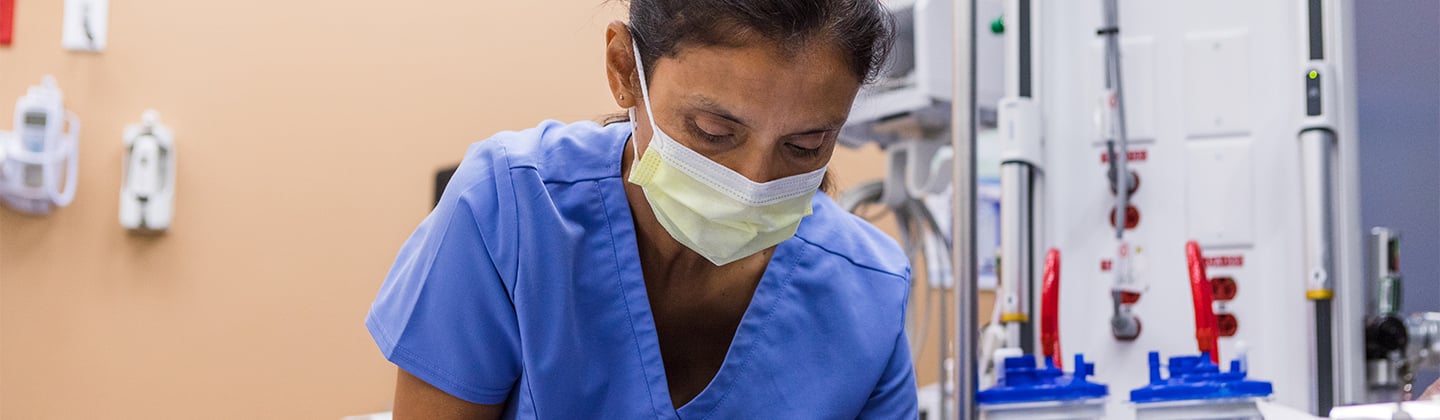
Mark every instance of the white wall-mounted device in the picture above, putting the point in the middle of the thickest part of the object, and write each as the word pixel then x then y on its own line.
pixel 33 159
pixel 86 23
pixel 147 190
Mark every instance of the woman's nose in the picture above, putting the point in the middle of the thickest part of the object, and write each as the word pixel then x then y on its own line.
pixel 756 164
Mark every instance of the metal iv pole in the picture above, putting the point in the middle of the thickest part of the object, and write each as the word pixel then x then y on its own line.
pixel 963 251
pixel 1020 167
pixel 1318 146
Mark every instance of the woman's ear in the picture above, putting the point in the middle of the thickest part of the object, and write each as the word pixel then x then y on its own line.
pixel 620 65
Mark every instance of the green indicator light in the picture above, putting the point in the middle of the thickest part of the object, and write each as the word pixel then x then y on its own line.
pixel 1314 74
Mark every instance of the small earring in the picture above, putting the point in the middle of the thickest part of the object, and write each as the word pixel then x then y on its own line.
pixel 622 96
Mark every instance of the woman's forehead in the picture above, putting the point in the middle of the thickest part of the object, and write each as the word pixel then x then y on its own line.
pixel 757 82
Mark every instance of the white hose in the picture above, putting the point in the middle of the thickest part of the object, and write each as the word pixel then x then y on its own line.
pixel 69 150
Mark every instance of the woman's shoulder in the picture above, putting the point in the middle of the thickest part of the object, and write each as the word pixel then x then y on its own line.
pixel 554 151
pixel 503 180
pixel 512 164
pixel 509 164
pixel 854 243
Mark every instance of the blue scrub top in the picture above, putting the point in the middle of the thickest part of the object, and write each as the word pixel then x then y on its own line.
pixel 523 287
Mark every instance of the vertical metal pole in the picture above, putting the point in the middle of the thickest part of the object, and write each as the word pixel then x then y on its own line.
pixel 1020 154
pixel 1349 284
pixel 1317 152
pixel 963 141
pixel 1015 252
pixel 1335 380
pixel 1113 83
pixel 1124 324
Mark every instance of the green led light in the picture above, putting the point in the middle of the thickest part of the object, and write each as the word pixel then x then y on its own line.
pixel 1314 74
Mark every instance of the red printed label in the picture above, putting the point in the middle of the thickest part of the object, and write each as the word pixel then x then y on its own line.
pixel 1106 265
pixel 1225 261
pixel 1134 156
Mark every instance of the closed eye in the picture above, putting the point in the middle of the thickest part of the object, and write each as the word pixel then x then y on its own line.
pixel 803 152
pixel 808 145
pixel 706 135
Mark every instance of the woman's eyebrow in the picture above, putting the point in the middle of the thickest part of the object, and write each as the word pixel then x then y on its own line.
pixel 826 128
pixel 709 105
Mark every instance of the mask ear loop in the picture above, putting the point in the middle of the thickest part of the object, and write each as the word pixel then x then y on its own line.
pixel 644 84
pixel 649 111
pixel 634 142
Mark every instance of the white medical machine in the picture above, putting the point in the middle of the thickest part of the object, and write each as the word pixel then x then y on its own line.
pixel 1129 129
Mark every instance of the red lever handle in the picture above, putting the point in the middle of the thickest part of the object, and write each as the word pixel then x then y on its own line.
pixel 1206 325
pixel 1050 309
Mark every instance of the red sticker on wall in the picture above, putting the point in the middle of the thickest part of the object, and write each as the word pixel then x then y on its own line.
pixel 7 22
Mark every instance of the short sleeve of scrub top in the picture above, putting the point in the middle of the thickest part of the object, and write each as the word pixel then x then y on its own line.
pixel 523 287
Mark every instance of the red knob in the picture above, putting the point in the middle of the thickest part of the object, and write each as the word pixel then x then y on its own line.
pixel 1132 217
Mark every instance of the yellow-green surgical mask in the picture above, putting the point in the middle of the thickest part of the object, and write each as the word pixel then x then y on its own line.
pixel 708 207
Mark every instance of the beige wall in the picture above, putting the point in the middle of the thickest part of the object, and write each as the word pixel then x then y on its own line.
pixel 307 136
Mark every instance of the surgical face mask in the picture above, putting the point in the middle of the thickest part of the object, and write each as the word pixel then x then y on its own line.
pixel 34 157
pixel 709 208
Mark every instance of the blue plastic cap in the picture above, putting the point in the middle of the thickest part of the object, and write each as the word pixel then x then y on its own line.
pixel 1025 382
pixel 1196 378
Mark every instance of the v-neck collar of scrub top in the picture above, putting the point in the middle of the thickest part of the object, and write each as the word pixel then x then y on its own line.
pixel 749 335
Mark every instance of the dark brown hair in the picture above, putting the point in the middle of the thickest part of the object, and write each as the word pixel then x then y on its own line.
pixel 861 29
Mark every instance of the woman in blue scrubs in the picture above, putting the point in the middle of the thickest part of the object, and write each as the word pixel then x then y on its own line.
pixel 681 263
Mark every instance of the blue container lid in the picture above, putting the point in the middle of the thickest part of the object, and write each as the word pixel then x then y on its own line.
pixel 1196 378
pixel 1024 382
